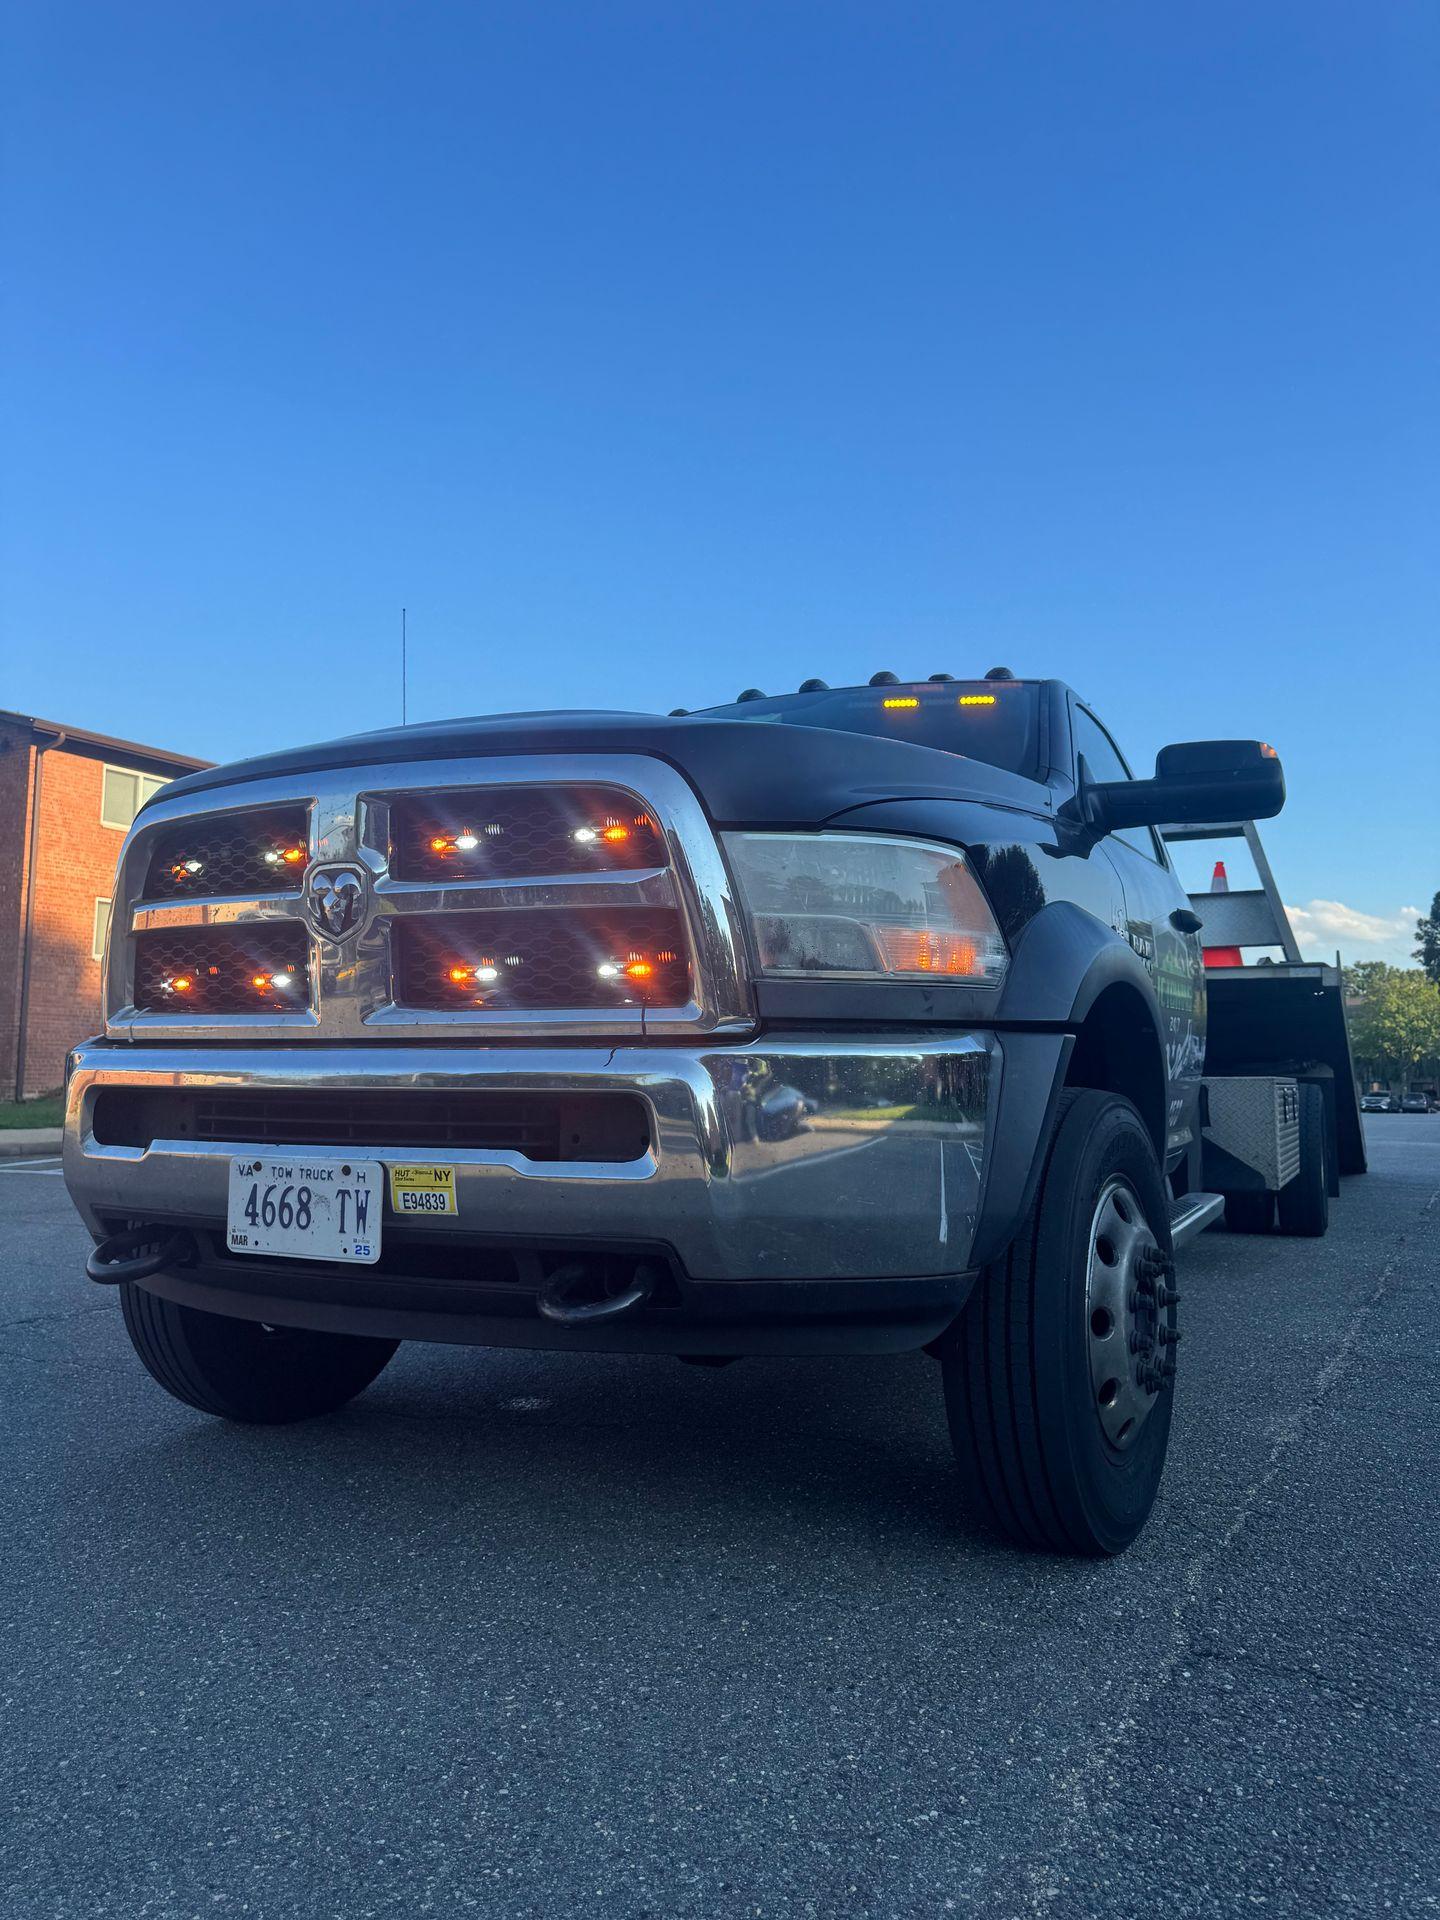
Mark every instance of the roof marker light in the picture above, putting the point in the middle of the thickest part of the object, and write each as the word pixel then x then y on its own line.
pixel 977 700
pixel 908 701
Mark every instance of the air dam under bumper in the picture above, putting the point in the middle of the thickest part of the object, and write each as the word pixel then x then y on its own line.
pixel 794 1183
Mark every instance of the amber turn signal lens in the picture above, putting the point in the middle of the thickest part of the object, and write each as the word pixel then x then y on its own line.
pixel 909 950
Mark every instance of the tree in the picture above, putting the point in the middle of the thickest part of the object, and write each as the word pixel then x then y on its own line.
pixel 1397 1024
pixel 1427 932
pixel 1363 979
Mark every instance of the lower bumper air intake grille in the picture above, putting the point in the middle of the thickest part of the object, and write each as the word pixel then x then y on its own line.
pixel 598 1127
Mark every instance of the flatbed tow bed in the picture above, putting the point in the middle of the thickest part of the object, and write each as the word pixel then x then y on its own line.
pixel 1275 1018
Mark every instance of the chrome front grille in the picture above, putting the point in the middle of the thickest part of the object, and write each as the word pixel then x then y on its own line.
pixel 613 956
pixel 223 970
pixel 474 898
pixel 520 833
pixel 255 852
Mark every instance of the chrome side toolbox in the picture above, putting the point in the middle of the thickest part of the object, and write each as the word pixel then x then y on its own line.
pixel 1251 1132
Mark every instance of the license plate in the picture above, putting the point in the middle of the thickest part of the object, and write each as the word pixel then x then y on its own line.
pixel 423 1190
pixel 303 1209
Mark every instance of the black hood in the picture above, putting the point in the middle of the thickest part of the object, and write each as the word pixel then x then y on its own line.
pixel 748 773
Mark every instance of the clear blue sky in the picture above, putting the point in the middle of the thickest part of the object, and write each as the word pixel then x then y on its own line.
pixel 648 352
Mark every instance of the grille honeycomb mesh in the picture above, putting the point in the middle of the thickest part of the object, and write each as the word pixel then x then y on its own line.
pixel 521 832
pixel 216 970
pixel 263 852
pixel 590 959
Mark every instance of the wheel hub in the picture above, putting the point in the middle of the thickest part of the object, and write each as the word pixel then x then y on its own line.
pixel 1130 1314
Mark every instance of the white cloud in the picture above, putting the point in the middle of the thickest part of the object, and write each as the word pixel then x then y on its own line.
pixel 1333 920
pixel 1323 925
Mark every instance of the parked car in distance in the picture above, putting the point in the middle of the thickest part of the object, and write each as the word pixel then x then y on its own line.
pixel 1415 1103
pixel 1376 1103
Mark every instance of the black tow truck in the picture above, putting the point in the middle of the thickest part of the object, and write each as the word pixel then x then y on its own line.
pixel 846 1021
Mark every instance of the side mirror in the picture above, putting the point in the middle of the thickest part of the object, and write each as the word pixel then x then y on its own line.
pixel 1200 781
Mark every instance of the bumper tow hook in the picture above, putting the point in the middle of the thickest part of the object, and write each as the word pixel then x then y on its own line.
pixel 138 1253
pixel 576 1296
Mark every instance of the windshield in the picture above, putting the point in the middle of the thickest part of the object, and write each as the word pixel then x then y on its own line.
pixel 994 720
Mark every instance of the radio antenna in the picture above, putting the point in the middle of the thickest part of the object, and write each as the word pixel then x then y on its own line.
pixel 404 672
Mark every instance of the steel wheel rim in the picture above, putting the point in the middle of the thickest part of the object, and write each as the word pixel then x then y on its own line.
pixel 1129 1314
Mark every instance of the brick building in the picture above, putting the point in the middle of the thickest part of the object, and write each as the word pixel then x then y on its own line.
pixel 66 798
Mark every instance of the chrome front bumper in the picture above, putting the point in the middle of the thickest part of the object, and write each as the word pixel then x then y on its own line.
pixel 877 1176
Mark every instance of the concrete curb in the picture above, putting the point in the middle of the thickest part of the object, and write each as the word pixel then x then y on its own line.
pixel 32 1142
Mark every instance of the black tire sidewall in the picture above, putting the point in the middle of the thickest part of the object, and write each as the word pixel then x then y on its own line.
pixel 1101 1136
pixel 238 1370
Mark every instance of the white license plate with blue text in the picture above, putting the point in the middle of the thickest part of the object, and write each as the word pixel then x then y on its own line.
pixel 306 1209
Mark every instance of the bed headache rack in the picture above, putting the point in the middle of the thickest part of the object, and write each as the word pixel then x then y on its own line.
pixel 1252 917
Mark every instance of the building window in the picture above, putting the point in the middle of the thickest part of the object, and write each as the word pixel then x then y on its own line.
pixel 102 927
pixel 123 794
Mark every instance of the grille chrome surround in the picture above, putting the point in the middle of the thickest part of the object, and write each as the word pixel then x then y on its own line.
pixel 352 979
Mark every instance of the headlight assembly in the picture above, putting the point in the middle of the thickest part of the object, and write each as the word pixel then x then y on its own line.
pixel 856 906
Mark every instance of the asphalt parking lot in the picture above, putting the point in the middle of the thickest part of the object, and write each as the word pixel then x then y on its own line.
pixel 519 1635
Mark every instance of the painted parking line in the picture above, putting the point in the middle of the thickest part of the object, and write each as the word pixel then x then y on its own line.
pixel 51 1165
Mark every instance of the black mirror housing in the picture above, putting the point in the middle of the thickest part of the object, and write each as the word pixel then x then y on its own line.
pixel 1195 782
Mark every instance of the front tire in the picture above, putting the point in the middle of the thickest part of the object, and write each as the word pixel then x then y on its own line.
pixel 1057 1379
pixel 241 1370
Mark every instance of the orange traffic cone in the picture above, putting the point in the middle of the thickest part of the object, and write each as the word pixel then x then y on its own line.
pixel 1221 956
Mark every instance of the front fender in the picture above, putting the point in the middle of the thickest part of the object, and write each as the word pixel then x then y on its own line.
pixel 1061 964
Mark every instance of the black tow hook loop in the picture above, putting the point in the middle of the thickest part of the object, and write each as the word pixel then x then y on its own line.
pixel 569 1295
pixel 138 1253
